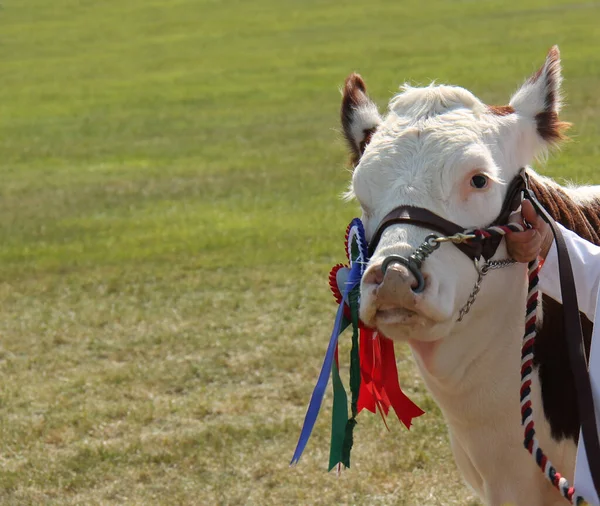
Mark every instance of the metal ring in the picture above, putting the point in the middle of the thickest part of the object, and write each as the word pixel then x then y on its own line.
pixel 414 270
pixel 433 241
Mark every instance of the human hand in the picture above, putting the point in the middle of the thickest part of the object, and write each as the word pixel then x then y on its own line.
pixel 536 241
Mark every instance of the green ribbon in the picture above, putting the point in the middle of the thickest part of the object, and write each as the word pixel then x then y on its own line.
pixel 339 415
pixel 339 418
pixel 354 356
pixel 342 427
pixel 354 378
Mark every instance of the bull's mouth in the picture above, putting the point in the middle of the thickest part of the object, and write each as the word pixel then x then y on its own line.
pixel 417 319
pixel 396 316
pixel 404 324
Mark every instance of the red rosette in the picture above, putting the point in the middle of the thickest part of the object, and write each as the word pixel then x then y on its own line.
pixel 333 282
pixel 335 290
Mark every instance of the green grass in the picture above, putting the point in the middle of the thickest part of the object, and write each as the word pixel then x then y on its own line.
pixel 169 213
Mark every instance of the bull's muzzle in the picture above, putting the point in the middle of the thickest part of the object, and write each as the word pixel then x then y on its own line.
pixel 412 267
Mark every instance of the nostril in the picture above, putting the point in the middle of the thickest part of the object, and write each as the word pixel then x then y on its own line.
pixel 418 285
pixel 374 276
pixel 414 285
pixel 407 268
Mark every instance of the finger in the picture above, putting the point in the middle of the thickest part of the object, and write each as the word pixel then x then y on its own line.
pixel 531 216
pixel 515 218
pixel 522 237
pixel 531 253
pixel 524 256
pixel 528 212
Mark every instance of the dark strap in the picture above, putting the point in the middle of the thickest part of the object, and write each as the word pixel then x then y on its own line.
pixel 424 218
pixel 512 202
pixel 575 345
pixel 512 199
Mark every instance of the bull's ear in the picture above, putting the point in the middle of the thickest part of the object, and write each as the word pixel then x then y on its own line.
pixel 360 117
pixel 538 101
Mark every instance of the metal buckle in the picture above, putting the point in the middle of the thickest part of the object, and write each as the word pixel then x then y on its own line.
pixel 458 238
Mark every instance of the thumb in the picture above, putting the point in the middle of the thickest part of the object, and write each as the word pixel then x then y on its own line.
pixel 530 215
pixel 515 218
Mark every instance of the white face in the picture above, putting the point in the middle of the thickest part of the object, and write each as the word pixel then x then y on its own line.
pixel 442 149
pixel 450 164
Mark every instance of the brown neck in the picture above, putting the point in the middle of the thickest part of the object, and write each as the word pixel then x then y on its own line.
pixel 584 220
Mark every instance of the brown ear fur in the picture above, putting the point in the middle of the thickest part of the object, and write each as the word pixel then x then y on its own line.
pixel 359 116
pixel 549 127
pixel 539 98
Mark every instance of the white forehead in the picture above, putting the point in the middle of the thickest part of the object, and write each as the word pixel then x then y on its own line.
pixel 423 103
pixel 427 134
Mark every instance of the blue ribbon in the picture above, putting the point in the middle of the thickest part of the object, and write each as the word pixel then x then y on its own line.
pixel 357 267
pixel 319 391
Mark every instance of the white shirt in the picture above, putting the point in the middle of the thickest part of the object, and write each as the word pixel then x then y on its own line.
pixel 585 261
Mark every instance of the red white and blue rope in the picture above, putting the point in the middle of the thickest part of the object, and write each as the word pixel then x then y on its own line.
pixel 527 353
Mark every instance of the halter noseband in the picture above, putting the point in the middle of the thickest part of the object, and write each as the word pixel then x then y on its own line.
pixel 425 218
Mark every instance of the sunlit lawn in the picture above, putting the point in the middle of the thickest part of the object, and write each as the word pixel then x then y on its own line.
pixel 169 213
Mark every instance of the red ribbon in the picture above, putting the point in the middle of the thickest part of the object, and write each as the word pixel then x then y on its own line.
pixel 379 386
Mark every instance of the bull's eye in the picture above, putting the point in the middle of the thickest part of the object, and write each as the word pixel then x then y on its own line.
pixel 479 181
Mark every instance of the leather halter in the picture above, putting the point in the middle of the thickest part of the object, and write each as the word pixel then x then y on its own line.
pixel 420 216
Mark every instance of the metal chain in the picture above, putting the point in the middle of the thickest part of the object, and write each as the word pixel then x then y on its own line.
pixel 491 265
pixel 467 307
pixel 497 264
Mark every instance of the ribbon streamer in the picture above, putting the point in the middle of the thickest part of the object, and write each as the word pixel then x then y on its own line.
pixel 319 391
pixel 373 373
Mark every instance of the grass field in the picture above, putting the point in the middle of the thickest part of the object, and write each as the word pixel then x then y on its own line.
pixel 169 213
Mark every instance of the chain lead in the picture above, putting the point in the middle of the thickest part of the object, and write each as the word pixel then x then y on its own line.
pixel 467 307
pixel 487 267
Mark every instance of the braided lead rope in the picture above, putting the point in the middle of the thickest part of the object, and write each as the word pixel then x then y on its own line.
pixel 497 231
pixel 531 442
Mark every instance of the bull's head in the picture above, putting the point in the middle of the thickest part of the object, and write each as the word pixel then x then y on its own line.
pixel 442 149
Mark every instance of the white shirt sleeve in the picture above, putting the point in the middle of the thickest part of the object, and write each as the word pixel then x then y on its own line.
pixel 583 477
pixel 585 260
